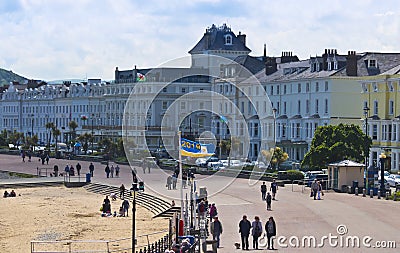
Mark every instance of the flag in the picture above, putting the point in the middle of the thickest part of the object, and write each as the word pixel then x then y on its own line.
pixel 196 149
pixel 223 119
pixel 140 77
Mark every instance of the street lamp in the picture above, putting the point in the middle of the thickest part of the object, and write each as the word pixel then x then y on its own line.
pixel 92 133
pixel 366 152
pixel 382 159
pixel 135 189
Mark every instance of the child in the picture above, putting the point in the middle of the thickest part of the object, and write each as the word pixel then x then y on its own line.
pixel 269 201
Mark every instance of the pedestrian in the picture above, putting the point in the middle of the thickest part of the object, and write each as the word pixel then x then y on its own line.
pixel 66 170
pixel 55 170
pixel 201 209
pixel 270 229
pixel 117 171
pixel 107 170
pixel 257 231
pixel 216 230
pixel 112 169
pixel 244 230
pixel 122 191
pixel 263 190
pixel 172 203
pixel 71 170
pixel 169 182
pixel 23 156
pixel 274 188
pixel 174 180
pixel 144 166
pixel 314 189
pixel 47 159
pixel 91 169
pixel 319 192
pixel 269 201
pixel 213 211
pixel 29 157
pixel 125 206
pixel 106 205
pixel 78 169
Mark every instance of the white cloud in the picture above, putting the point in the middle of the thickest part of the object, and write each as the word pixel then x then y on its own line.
pixel 73 39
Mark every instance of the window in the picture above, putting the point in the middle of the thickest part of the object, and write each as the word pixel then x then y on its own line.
pixel 255 129
pixel 391 107
pixel 277 90
pixel 316 105
pixel 164 105
pixel 201 105
pixel 365 87
pixel 326 106
pixel 307 87
pixel 284 108
pixel 272 90
pixel 316 87
pixel 375 87
pixel 299 87
pixel 298 107
pixel 326 86
pixel 374 132
pixel 307 106
pixel 375 107
pixel 390 84
pixel 164 89
pixel 183 90
pixel 284 89
pixel 228 39
pixel 283 130
pixel 297 130
pixel 201 122
pixel 307 130
pixel 372 63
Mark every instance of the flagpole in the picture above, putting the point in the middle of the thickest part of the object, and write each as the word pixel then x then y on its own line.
pixel 181 176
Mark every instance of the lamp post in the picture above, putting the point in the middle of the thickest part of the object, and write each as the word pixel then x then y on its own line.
pixel 135 189
pixel 382 159
pixel 92 132
pixel 366 152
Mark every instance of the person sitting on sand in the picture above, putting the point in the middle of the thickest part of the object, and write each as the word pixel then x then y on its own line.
pixel 113 196
pixel 12 194
pixel 121 212
pixel 6 194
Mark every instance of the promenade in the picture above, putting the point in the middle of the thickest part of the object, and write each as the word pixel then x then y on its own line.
pixel 295 213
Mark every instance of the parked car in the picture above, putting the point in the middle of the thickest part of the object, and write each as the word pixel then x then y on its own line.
pixel 393 180
pixel 203 161
pixel 386 175
pixel 215 166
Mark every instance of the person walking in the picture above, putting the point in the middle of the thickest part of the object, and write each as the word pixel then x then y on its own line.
pixel 319 192
pixel 78 169
pixel 47 159
pixel 112 169
pixel 314 189
pixel 263 190
pixel 274 188
pixel 270 229
pixel 55 170
pixel 216 230
pixel 244 230
pixel 107 170
pixel 91 169
pixel 269 201
pixel 213 211
pixel 169 182
pixel 117 171
pixel 257 231
pixel 122 191
pixel 125 206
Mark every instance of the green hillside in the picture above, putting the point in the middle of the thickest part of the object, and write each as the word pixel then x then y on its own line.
pixel 8 76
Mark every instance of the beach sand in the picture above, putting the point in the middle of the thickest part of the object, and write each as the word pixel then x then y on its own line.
pixel 59 213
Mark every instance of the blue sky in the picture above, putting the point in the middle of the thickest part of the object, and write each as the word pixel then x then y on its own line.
pixel 60 39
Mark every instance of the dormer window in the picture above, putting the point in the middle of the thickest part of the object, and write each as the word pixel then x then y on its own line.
pixel 228 39
pixel 372 63
pixel 335 65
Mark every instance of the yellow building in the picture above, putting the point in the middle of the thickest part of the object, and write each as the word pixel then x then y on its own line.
pixel 381 95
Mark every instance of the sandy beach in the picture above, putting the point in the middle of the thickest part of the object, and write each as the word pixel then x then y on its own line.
pixel 59 213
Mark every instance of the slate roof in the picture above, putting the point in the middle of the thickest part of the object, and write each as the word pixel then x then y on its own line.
pixel 253 64
pixel 386 63
pixel 214 39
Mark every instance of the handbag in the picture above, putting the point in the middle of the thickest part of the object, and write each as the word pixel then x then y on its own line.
pixel 312 194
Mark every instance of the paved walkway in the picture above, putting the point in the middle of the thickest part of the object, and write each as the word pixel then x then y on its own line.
pixel 296 214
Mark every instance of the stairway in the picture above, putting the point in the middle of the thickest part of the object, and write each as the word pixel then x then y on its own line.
pixel 158 206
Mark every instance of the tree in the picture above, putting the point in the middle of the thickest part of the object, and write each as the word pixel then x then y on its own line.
pixel 336 143
pixel 72 127
pixel 49 126
pixel 109 146
pixel 85 139
pixel 56 133
pixel 275 156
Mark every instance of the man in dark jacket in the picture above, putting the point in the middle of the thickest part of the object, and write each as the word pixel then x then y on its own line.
pixel 270 229
pixel 244 230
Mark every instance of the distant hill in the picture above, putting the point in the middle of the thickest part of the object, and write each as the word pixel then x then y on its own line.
pixel 8 76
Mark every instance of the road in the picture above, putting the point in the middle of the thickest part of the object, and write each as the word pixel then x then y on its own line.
pixel 297 216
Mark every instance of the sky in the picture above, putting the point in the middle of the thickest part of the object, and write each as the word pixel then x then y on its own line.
pixel 65 39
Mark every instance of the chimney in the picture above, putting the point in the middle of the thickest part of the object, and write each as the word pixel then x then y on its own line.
pixel 242 38
pixel 265 50
pixel 351 64
pixel 324 59
pixel 116 75
pixel 270 66
pixel 286 57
